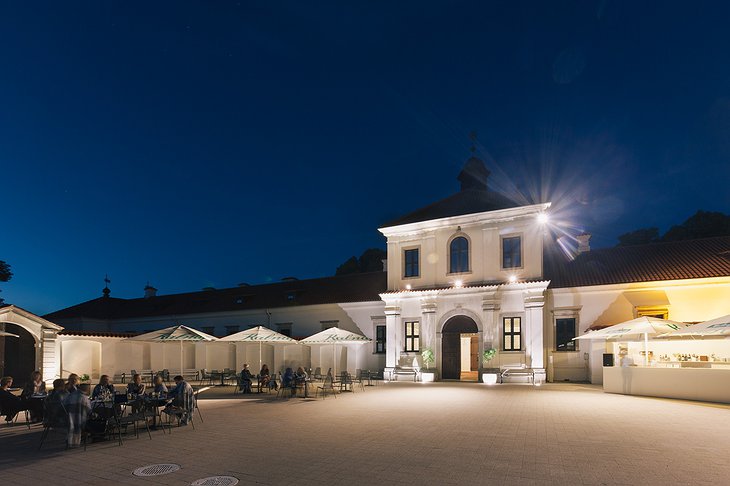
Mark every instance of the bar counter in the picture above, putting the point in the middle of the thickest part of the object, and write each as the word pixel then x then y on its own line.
pixel 706 384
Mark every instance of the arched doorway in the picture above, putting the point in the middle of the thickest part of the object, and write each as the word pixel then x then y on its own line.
pixel 19 354
pixel 458 334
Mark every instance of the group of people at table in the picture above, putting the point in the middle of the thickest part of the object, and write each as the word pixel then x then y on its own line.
pixel 290 379
pixel 68 404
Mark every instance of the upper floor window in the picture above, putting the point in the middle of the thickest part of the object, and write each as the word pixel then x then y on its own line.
pixel 284 328
pixel 411 267
pixel 413 339
pixel 512 252
pixel 459 255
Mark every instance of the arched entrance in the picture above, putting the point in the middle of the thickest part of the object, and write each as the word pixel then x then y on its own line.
pixel 19 359
pixel 459 334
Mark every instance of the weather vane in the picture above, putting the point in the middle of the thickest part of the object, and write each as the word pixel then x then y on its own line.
pixel 473 138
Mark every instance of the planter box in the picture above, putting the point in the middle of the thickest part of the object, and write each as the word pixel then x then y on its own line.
pixel 428 376
pixel 490 378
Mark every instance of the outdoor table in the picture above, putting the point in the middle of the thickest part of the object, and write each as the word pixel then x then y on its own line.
pixel 221 374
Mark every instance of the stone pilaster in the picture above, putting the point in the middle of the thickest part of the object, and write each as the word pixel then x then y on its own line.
pixel 392 336
pixel 428 324
pixel 490 308
pixel 534 301
pixel 49 366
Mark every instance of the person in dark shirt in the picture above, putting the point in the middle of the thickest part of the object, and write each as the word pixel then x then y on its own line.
pixel 35 388
pixel 9 403
pixel 104 390
pixel 55 414
pixel 136 387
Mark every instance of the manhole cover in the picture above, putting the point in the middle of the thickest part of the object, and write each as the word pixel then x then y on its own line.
pixel 216 481
pixel 156 470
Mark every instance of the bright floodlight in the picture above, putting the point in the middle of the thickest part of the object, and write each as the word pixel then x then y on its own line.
pixel 543 218
pixel 512 279
pixel 408 286
pixel 458 284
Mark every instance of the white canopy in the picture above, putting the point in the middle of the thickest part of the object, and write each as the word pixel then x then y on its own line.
pixel 635 328
pixel 714 327
pixel 259 334
pixel 334 336
pixel 175 333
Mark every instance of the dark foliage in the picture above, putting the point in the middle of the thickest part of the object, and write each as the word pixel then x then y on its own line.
pixel 370 261
pixel 703 224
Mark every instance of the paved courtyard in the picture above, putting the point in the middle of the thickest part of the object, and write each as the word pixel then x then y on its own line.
pixel 405 433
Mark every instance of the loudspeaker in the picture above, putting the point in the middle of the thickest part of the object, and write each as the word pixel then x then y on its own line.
pixel 607 359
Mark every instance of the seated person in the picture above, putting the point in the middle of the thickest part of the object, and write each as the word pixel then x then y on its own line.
pixel 10 404
pixel 78 406
pixel 55 414
pixel 182 400
pixel 35 387
pixel 136 387
pixel 265 379
pixel 104 390
pixel 300 378
pixel 246 378
pixel 160 386
pixel 287 379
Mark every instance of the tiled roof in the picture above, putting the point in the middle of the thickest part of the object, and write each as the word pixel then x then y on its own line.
pixel 467 201
pixel 362 287
pixel 678 260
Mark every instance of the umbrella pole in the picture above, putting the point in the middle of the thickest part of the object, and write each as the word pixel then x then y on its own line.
pixel 259 355
pixel 181 359
pixel 646 349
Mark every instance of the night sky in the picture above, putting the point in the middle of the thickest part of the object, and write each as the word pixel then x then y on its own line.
pixel 194 144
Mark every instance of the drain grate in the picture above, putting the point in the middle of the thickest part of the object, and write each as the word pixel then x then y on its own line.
pixel 156 470
pixel 216 481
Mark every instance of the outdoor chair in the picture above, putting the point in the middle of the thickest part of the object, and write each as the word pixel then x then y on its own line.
pixel 283 390
pixel 136 415
pixel 326 387
pixel 16 416
pixel 205 376
pixel 53 420
pixel 318 374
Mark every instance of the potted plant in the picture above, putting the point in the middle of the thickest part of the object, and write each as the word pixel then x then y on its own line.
pixel 489 375
pixel 85 378
pixel 428 375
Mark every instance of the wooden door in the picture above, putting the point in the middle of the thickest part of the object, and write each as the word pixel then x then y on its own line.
pixel 451 356
pixel 474 353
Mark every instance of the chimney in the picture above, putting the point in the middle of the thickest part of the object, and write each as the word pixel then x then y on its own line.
pixel 149 291
pixel 584 245
pixel 385 264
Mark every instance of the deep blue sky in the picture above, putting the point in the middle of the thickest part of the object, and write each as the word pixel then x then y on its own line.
pixel 211 143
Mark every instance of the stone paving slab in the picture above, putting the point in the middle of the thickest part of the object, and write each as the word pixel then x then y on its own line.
pixel 406 433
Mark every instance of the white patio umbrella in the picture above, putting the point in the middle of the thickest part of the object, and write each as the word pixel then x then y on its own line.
pixel 335 336
pixel 259 334
pixel 178 333
pixel 715 327
pixel 636 328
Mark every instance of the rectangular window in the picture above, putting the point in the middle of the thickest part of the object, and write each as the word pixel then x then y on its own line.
pixel 512 252
pixel 512 336
pixel 413 340
pixel 660 312
pixel 564 334
pixel 411 263
pixel 232 330
pixel 380 339
pixel 284 328
pixel 327 324
pixel 208 330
